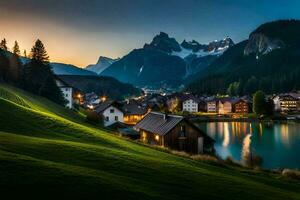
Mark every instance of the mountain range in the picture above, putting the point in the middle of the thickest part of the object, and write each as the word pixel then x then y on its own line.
pixel 148 66
pixel 164 62
pixel 267 60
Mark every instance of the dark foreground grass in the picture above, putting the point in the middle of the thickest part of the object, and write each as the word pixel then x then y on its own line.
pixel 46 152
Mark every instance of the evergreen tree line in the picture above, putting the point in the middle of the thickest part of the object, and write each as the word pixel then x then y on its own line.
pixel 276 72
pixel 34 75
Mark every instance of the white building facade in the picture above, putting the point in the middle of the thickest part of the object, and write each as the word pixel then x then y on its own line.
pixel 68 95
pixel 112 115
pixel 285 103
pixel 190 105
pixel 67 92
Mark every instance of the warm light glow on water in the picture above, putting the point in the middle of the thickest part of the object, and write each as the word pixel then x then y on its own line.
pixel 246 149
pixel 285 133
pixel 260 129
pixel 226 135
pixel 278 144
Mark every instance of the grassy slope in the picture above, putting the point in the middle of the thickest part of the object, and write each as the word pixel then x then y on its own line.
pixel 46 150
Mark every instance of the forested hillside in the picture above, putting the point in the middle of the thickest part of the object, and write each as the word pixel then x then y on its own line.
pixel 268 61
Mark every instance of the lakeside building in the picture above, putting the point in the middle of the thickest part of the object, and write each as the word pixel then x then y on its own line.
pixel 285 103
pixel 228 105
pixel 174 132
pixel 193 104
pixel 225 105
pixel 241 106
pixel 212 106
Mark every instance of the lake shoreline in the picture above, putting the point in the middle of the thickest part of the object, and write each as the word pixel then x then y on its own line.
pixel 227 119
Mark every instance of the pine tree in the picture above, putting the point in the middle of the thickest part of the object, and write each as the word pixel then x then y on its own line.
pixel 15 69
pixel 39 53
pixel 39 77
pixel 16 49
pixel 4 64
pixel 14 72
pixel 25 53
pixel 3 45
pixel 259 103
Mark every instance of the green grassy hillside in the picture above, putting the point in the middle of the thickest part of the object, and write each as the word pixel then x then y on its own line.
pixel 48 151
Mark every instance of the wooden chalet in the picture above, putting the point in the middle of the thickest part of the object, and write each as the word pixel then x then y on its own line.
pixel 241 106
pixel 133 112
pixel 174 132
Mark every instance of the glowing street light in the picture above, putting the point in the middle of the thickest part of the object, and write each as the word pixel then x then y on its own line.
pixel 103 98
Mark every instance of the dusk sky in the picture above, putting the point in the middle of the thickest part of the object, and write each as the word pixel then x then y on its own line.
pixel 79 31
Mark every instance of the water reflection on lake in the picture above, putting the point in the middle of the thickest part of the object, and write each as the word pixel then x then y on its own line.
pixel 277 143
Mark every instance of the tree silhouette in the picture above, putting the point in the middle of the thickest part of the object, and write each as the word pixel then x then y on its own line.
pixel 3 45
pixel 259 103
pixel 4 64
pixel 39 53
pixel 39 78
pixel 15 69
pixel 16 49
pixel 25 53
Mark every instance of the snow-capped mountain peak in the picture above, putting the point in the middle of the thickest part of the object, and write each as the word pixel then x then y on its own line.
pixel 217 47
pixel 101 65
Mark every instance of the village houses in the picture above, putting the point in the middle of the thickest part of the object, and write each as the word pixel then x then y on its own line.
pixel 128 113
pixel 228 105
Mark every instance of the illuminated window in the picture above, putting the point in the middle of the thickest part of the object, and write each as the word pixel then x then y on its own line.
pixel 157 137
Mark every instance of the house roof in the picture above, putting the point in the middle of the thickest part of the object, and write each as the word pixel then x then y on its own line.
pixel 63 83
pixel 118 125
pixel 195 99
pixel 157 123
pixel 134 109
pixel 287 96
pixel 226 99
pixel 103 106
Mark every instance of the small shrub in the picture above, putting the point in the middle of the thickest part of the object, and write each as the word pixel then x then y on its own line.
pixel 93 117
pixel 289 173
pixel 206 158
pixel 253 160
pixel 229 160
pixel 180 153
pixel 76 106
